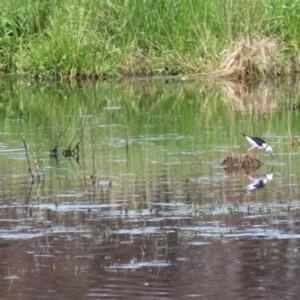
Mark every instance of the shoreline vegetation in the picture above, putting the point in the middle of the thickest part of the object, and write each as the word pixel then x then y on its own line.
pixel 89 39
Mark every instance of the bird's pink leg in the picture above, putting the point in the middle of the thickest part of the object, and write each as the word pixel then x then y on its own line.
pixel 249 149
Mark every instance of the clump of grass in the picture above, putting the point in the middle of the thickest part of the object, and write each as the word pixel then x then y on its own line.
pixel 251 59
pixel 92 39
pixel 236 161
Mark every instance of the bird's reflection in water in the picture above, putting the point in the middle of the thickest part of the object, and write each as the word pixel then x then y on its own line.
pixel 259 181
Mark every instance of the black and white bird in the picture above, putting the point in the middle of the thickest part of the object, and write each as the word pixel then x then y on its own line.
pixel 258 143
pixel 259 182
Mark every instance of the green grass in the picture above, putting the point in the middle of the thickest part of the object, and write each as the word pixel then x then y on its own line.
pixel 88 38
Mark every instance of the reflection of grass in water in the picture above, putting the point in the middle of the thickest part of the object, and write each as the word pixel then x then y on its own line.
pixel 177 132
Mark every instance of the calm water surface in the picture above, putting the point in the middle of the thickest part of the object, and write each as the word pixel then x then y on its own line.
pixel 126 197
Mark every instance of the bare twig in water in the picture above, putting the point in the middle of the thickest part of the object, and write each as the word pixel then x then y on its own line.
pixel 93 176
pixel 74 152
pixel 30 171
pixel 34 200
pixel 38 176
pixel 54 151
pixel 81 136
pixel 59 133
pixel 28 160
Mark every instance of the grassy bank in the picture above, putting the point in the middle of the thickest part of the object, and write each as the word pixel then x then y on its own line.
pixel 89 38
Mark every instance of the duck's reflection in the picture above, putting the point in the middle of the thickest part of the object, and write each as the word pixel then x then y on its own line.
pixel 259 181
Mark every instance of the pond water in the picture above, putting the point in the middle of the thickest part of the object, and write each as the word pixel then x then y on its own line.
pixel 115 190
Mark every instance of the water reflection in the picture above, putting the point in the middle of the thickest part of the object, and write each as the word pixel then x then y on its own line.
pixel 258 181
pixel 133 202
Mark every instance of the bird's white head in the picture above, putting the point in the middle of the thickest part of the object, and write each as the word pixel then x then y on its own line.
pixel 268 149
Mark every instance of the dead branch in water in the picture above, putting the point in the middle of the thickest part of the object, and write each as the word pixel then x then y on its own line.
pixel 28 160
pixel 54 152
pixel 74 151
pixel 70 151
pixel 33 177
pixel 93 143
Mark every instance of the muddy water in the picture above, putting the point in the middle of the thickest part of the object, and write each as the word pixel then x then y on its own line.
pixel 134 203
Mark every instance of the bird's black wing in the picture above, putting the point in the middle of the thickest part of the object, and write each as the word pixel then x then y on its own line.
pixel 258 140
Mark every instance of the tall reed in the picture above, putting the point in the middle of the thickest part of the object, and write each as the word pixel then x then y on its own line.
pixel 72 38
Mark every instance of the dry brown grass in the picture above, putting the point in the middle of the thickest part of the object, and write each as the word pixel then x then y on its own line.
pixel 249 59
